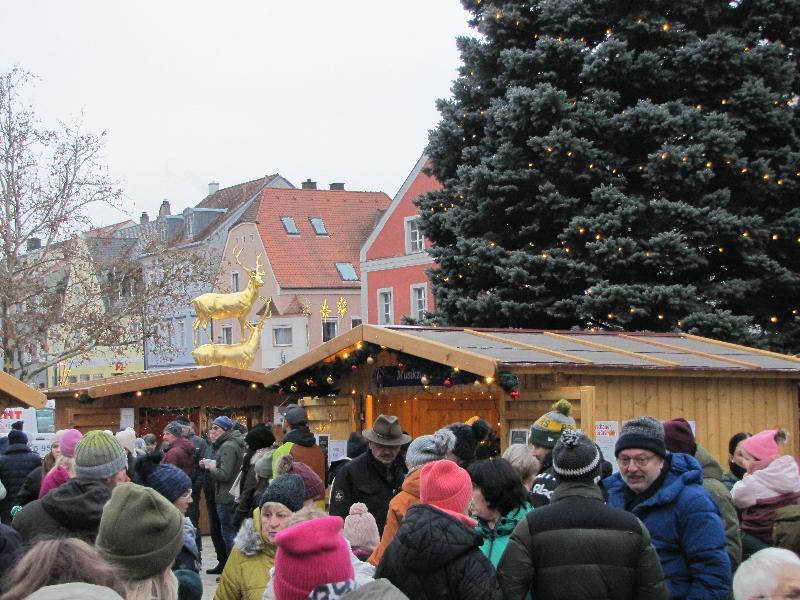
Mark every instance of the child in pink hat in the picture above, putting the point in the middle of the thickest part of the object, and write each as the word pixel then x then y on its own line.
pixel 64 468
pixel 361 531
pixel 772 482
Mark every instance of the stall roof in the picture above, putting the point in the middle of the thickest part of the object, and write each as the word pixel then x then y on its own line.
pixel 485 351
pixel 14 392
pixel 133 382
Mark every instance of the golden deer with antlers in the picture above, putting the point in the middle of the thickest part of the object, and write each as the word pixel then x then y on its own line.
pixel 238 356
pixel 235 304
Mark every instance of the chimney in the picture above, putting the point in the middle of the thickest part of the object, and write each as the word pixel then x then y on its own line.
pixel 309 185
pixel 144 219
pixel 34 243
pixel 213 187
pixel 337 187
pixel 163 211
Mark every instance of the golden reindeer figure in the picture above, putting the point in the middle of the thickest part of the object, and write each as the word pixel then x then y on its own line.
pixel 235 304
pixel 238 356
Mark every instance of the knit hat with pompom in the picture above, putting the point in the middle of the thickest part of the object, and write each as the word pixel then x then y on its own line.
pixel 360 528
pixel 547 429
pixel 763 446
pixel 427 448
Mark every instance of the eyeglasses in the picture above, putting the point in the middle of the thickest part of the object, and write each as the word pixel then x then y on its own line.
pixel 187 493
pixel 639 461
pixel 216 427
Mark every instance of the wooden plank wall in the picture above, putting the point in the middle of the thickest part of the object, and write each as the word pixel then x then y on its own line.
pixel 720 406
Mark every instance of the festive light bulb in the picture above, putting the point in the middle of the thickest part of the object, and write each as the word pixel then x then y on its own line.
pixel 370 360
pixel 775 237
pixel 773 319
pixel 664 156
pixel 610 315
pixel 138 394
pixel 721 249
pixel 581 230
pixel 745 234
pixel 660 317
pixel 724 101
pixel 709 164
pixel 489 380
pixel 665 27
pixel 765 177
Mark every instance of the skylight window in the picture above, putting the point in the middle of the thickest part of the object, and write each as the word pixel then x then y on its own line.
pixel 289 226
pixel 319 226
pixel 347 272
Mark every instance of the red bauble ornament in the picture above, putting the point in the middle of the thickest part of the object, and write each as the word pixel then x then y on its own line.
pixel 354 368
pixel 448 383
pixel 309 382
pixel 401 365
pixel 514 394
pixel 281 392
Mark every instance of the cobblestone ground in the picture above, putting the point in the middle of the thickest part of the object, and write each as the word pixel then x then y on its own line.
pixel 209 562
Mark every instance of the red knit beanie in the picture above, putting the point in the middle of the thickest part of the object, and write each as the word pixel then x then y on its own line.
pixel 678 436
pixel 763 446
pixel 315 488
pixel 309 554
pixel 445 485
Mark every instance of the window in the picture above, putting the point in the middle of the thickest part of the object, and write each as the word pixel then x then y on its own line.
pixel 318 225
pixel 330 328
pixel 73 379
pixel 235 281
pixel 415 241
pixel 252 237
pixel 282 336
pixel 163 232
pixel 289 226
pixel 385 307
pixel 97 376
pixel 355 322
pixel 189 232
pixel 85 377
pixel 227 334
pixel 347 272
pixel 179 333
pixel 419 301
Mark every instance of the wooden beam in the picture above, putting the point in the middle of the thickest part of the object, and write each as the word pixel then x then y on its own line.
pixel 526 346
pixel 682 350
pixel 740 347
pixel 12 389
pixel 577 340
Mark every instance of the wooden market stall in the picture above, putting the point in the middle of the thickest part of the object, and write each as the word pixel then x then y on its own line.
pixel 13 392
pixel 432 376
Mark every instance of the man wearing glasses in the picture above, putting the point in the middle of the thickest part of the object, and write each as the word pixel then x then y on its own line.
pixel 666 492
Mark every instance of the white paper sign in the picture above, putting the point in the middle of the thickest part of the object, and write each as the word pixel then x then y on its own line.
pixel 337 449
pixel 277 415
pixel 518 436
pixel 606 434
pixel 125 418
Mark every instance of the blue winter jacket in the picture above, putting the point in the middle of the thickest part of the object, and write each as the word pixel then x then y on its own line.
pixel 686 530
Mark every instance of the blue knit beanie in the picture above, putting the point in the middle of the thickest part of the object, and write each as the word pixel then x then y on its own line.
pixel 169 481
pixel 224 422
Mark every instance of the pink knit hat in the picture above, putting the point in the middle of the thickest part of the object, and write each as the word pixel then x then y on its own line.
pixel 69 439
pixel 309 554
pixel 446 486
pixel 763 446
pixel 360 528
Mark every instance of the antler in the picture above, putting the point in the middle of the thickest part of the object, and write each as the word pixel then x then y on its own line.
pixel 267 309
pixel 236 255
pixel 258 265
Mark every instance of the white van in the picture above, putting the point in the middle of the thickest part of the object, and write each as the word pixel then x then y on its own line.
pixel 40 425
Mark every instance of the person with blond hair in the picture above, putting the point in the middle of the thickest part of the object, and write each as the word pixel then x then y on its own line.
pixel 524 462
pixel 64 468
pixel 60 566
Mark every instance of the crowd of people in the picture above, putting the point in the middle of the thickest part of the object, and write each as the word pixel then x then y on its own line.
pixel 443 515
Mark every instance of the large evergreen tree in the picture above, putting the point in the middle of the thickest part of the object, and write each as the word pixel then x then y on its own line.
pixel 622 165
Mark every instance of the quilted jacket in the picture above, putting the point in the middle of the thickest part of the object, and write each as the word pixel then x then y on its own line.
pixel 15 464
pixel 407 497
pixel 435 556
pixel 685 528
pixel 247 571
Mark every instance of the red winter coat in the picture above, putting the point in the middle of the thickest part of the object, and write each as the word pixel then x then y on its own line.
pixel 180 454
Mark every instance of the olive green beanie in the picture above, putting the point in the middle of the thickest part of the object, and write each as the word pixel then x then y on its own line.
pixel 141 532
pixel 99 456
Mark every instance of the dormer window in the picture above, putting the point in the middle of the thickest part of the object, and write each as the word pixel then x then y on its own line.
pixel 289 225
pixel 319 226
pixel 347 272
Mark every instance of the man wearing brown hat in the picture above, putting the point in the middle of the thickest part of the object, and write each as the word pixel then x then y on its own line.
pixel 374 477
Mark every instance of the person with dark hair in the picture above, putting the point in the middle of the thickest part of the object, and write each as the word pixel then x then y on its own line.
pixel 736 464
pixel 15 464
pixel 10 549
pixel 469 436
pixel 499 502
pixel 356 446
pixel 67 568
pixel 300 442
pixel 259 443
pixel 577 546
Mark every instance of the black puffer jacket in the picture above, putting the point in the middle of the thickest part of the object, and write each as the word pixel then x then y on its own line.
pixel 366 480
pixel 73 509
pixel 15 464
pixel 434 555
pixel 545 484
pixel 578 547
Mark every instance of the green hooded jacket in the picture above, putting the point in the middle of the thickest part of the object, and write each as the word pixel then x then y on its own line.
pixel 495 540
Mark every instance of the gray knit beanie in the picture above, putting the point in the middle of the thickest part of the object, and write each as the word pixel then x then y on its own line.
pixel 575 456
pixel 99 456
pixel 176 429
pixel 645 433
pixel 427 448
pixel 288 490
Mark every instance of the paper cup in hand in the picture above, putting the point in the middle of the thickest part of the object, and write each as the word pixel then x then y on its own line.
pixel 211 463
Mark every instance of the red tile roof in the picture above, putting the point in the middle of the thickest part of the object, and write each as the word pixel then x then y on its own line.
pixel 309 260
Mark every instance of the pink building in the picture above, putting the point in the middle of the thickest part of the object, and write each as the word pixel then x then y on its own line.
pixel 394 258
pixel 309 242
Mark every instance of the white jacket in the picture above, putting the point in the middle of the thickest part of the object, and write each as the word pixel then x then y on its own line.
pixel 780 477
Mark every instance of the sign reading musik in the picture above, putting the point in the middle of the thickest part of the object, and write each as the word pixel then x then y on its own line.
pixel 397 377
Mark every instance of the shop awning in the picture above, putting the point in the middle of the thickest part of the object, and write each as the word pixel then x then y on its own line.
pixel 13 393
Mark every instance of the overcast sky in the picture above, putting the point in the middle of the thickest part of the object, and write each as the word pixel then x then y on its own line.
pixel 192 91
